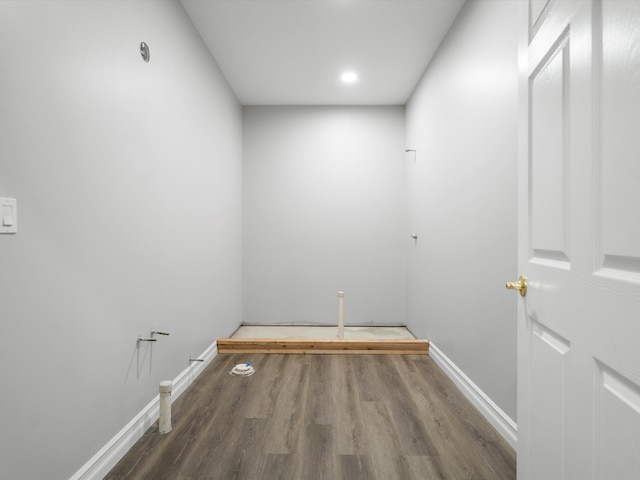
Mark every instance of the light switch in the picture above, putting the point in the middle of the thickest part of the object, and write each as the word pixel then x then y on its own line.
pixel 9 215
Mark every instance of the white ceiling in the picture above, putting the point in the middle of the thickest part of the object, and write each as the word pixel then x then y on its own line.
pixel 292 52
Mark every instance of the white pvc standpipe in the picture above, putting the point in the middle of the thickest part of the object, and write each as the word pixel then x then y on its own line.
pixel 341 315
pixel 165 407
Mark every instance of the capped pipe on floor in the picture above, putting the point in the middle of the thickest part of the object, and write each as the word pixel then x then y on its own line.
pixel 341 315
pixel 164 424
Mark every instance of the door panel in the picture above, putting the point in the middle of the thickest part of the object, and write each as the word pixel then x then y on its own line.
pixel 547 384
pixel 620 171
pixel 618 426
pixel 549 93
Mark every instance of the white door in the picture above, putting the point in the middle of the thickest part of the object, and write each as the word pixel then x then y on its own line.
pixel 579 241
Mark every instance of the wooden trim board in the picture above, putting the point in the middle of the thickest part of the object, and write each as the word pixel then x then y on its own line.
pixel 322 346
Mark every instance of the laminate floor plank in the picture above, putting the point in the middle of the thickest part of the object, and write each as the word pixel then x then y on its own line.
pixel 266 386
pixel 346 416
pixel 356 467
pixel 319 401
pixel 225 442
pixel 420 466
pixel 286 424
pixel 365 377
pixel 317 417
pixel 319 460
pixel 409 428
pixel 383 445
pixel 281 467
pixel 240 457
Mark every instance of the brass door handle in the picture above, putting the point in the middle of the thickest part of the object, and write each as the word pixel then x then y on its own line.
pixel 520 285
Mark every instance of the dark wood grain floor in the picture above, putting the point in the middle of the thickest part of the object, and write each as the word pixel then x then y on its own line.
pixel 307 417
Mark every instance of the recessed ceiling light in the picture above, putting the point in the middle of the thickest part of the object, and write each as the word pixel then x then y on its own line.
pixel 349 77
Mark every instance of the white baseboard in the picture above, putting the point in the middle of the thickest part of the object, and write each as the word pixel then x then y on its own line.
pixel 505 426
pixel 103 461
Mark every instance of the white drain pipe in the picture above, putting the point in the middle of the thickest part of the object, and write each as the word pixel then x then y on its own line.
pixel 341 315
pixel 165 407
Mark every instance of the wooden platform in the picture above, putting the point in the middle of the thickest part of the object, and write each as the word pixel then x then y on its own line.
pixel 322 346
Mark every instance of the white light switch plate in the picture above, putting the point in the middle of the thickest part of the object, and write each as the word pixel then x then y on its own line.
pixel 8 215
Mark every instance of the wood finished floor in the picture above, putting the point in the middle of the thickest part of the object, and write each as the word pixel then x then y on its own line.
pixel 332 417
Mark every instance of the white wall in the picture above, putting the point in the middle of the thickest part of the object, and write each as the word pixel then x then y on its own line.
pixel 462 121
pixel 128 180
pixel 323 211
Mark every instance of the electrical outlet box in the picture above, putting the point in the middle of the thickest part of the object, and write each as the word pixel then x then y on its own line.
pixel 8 215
